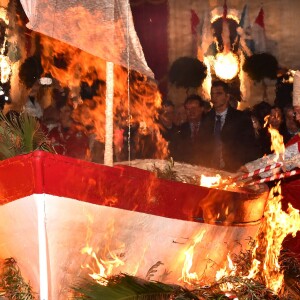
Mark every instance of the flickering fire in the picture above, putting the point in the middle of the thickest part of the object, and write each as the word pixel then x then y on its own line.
pixel 226 65
pixel 276 225
pixel 228 270
pixel 135 96
pixel 186 276
pixel 104 268
pixel 277 143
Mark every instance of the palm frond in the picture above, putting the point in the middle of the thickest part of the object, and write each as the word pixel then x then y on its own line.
pixel 125 287
pixel 21 135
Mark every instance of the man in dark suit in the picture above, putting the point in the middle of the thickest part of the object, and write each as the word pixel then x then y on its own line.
pixel 187 140
pixel 227 134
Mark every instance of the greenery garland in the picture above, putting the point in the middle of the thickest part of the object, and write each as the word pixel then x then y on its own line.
pixel 187 72
pixel 12 284
pixel 260 66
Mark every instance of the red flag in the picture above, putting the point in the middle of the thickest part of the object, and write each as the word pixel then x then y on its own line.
pixel 194 21
pixel 260 18
pixel 258 33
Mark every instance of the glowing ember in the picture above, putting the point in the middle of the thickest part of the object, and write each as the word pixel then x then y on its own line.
pixel 226 65
pixel 210 181
pixel 188 277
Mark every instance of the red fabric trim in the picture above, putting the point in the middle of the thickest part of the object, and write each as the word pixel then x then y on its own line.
pixel 121 186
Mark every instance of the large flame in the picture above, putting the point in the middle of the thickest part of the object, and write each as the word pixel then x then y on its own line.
pixel 226 65
pixel 186 276
pixel 136 98
pixel 276 225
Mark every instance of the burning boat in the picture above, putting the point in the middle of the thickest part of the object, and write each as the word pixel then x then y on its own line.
pixel 62 218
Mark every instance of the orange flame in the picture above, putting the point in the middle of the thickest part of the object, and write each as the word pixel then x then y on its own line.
pixel 186 276
pixel 277 143
pixel 136 98
pixel 226 271
pixel 276 225
pixel 102 264
pixel 105 267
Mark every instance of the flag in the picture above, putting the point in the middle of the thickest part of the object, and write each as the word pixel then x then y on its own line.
pixel 259 34
pixel 245 40
pixel 208 45
pixel 195 21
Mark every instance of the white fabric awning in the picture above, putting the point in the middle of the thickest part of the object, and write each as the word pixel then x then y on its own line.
pixel 102 28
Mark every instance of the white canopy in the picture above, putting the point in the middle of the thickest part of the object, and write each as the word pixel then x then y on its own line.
pixel 102 28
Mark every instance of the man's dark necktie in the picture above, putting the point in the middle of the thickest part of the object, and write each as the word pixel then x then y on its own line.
pixel 217 157
pixel 218 127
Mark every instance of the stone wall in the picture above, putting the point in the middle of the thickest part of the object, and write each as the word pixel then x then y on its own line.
pixel 281 25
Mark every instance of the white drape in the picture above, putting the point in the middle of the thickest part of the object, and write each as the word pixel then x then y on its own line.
pixel 97 27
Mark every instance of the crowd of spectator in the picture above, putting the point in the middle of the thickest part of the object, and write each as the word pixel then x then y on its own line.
pixel 211 133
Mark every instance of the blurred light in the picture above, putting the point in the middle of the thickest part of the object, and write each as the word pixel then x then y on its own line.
pixel 226 65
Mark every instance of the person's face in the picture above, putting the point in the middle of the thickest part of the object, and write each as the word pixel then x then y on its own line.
pixel 219 98
pixel 193 111
pixel 275 118
pixel 65 116
pixel 255 122
pixel 290 122
pixel 297 113
pixel 167 115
